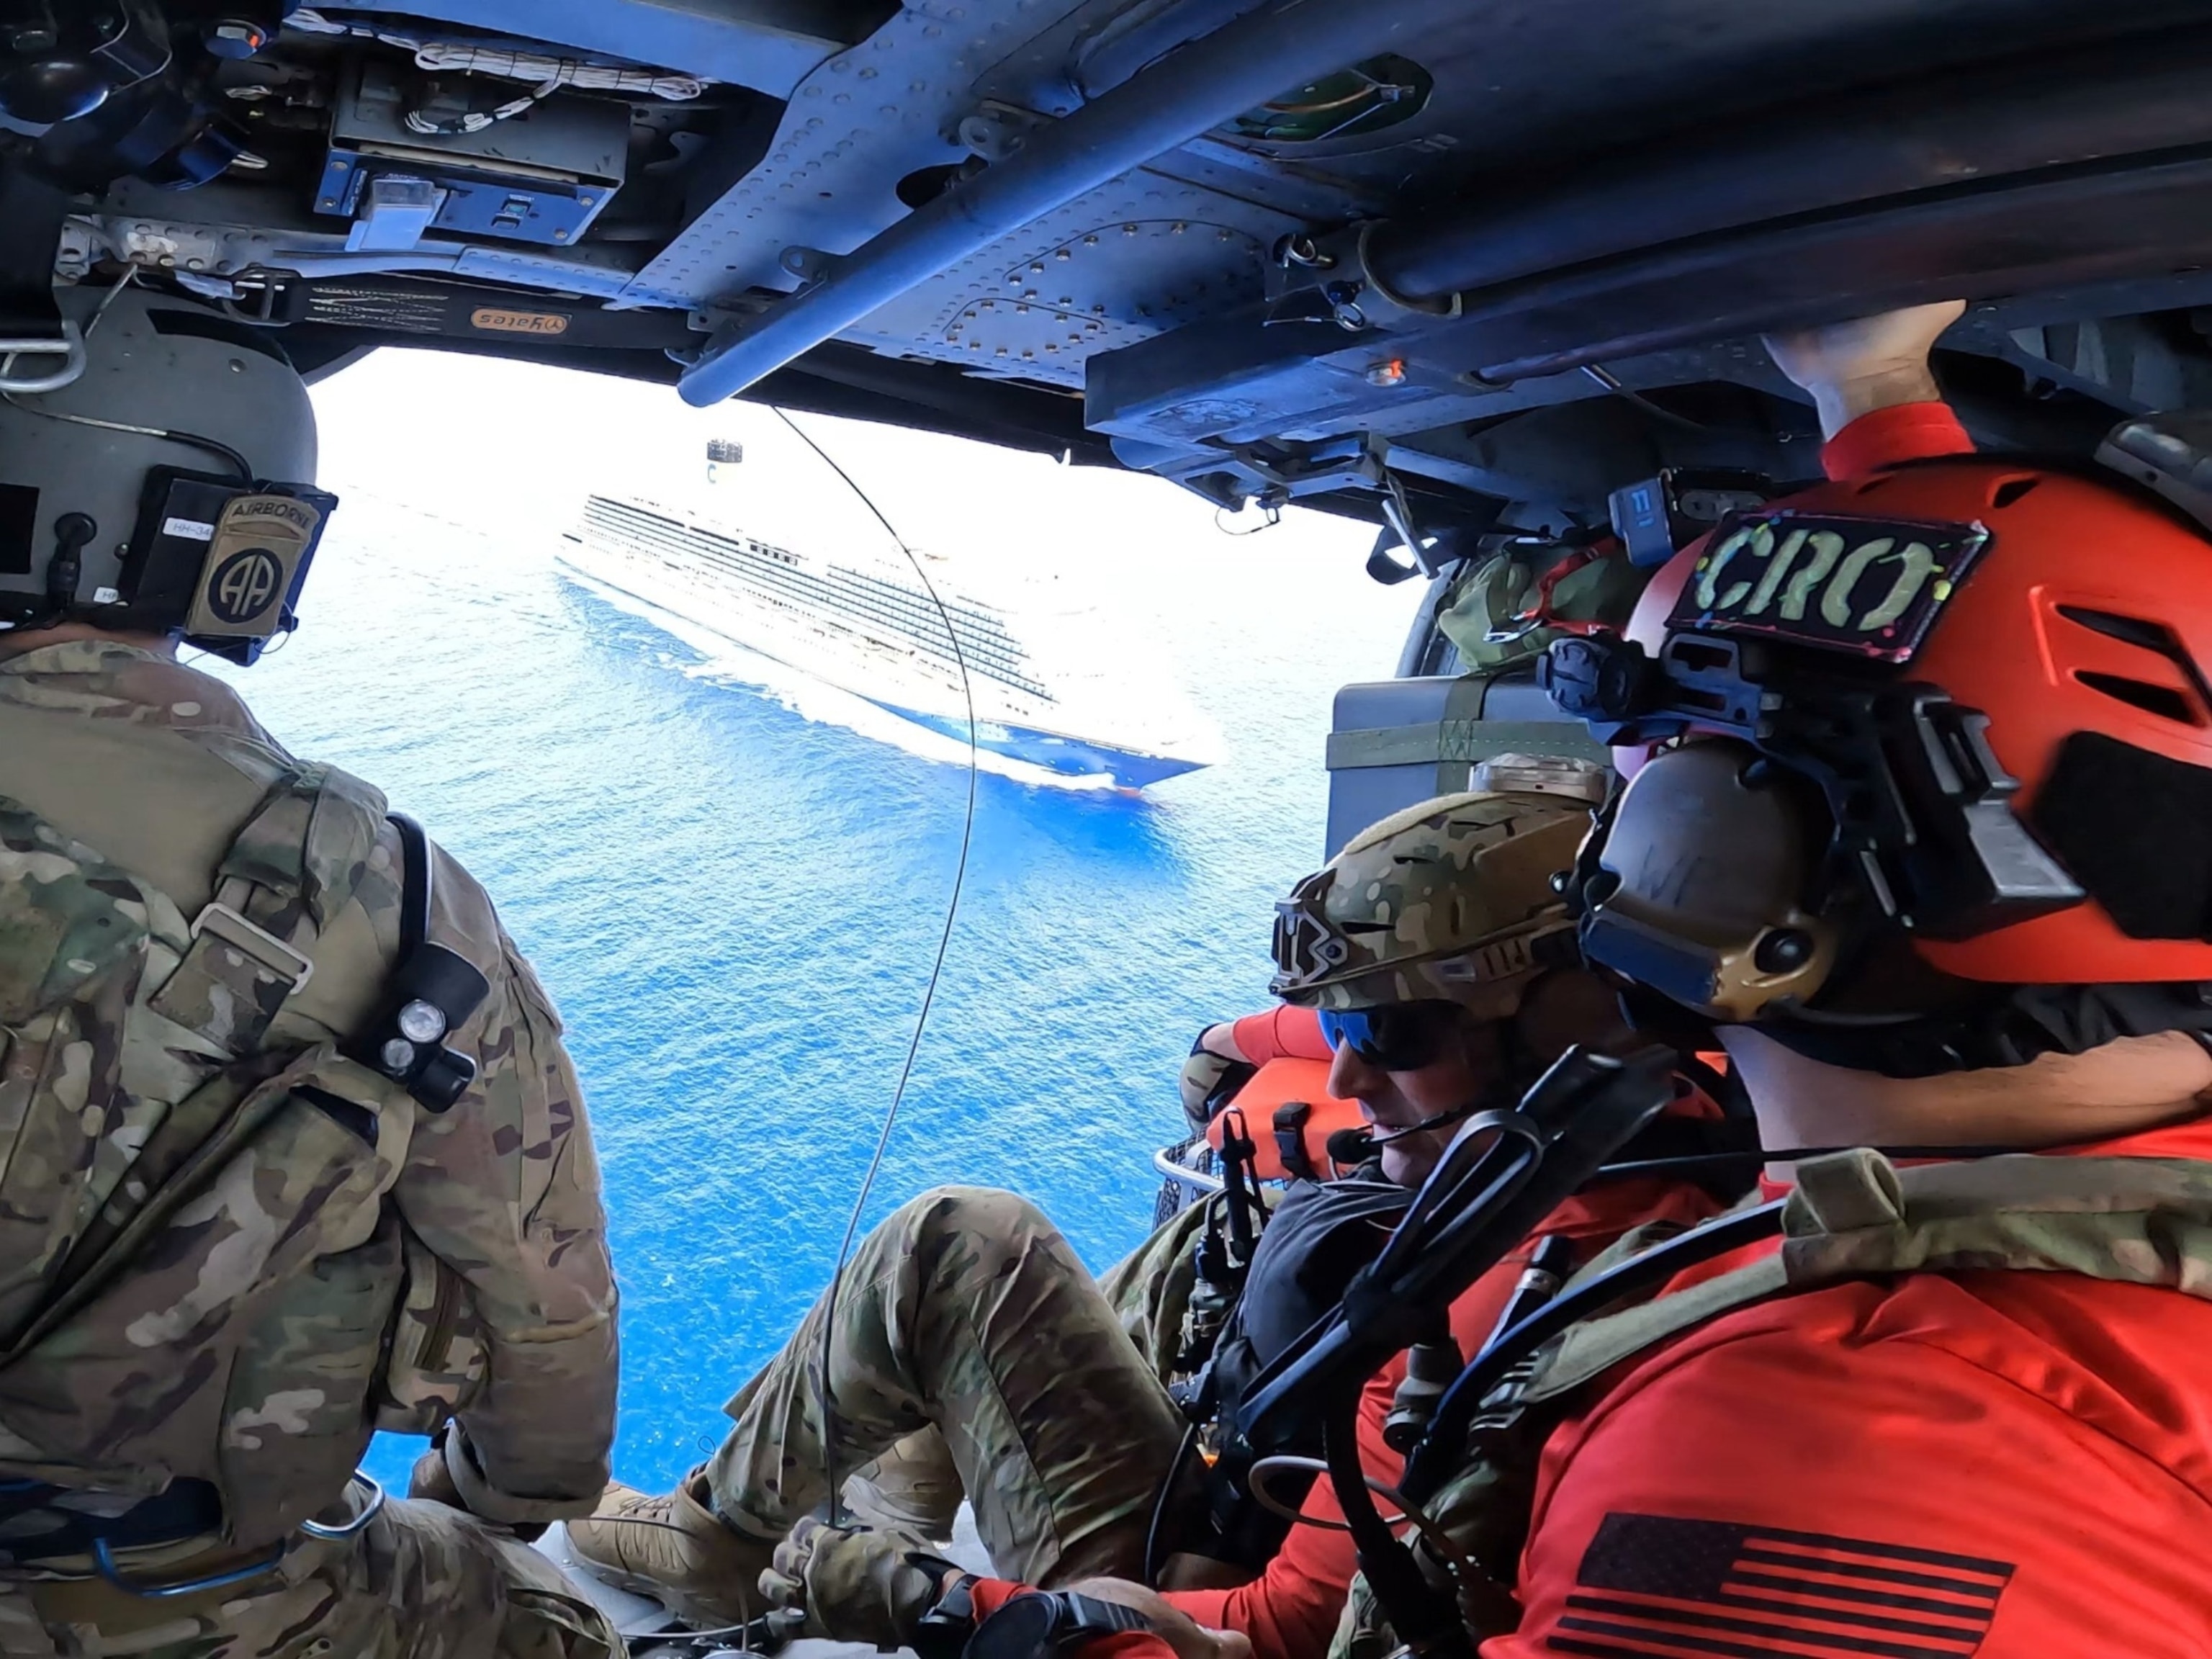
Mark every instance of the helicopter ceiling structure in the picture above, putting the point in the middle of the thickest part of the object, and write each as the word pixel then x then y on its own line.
pixel 1446 264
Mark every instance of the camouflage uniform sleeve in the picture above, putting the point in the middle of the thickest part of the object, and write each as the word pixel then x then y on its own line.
pixel 504 1188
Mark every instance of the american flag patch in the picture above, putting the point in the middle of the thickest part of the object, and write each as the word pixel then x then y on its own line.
pixel 1650 1585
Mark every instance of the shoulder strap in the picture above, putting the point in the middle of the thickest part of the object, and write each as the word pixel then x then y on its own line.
pixel 1855 1214
pixel 430 994
pixel 1597 1345
pixel 300 855
pixel 2143 1221
pixel 293 864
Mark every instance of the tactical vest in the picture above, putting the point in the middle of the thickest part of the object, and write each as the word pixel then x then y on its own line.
pixel 201 1280
pixel 1852 1215
pixel 1317 1239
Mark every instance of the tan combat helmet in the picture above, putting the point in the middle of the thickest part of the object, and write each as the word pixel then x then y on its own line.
pixel 1450 900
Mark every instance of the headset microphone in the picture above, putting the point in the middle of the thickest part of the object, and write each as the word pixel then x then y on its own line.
pixel 1348 1147
pixel 1366 1142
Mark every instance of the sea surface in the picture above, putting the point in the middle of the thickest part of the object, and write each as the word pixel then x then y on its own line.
pixel 733 885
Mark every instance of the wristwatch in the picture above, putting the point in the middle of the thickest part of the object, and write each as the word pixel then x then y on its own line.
pixel 1040 1624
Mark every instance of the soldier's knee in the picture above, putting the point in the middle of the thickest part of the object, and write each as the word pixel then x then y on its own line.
pixel 978 1217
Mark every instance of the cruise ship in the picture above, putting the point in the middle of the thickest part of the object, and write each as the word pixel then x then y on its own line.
pixel 873 630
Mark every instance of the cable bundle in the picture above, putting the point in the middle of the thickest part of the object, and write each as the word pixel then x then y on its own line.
pixel 550 74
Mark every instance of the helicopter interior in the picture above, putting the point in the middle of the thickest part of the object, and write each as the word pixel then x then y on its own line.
pixel 1456 267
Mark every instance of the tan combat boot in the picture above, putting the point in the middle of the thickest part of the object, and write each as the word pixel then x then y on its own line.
pixel 674 1547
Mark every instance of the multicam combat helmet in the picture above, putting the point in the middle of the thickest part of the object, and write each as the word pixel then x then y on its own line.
pixel 1450 899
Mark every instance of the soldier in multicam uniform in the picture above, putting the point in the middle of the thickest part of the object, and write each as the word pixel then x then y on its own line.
pixel 1444 962
pixel 289 1149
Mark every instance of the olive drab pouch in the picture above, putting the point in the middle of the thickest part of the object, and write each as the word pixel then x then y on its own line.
pixel 233 1328
pixel 131 1033
pixel 201 1275
pixel 438 1354
pixel 1494 613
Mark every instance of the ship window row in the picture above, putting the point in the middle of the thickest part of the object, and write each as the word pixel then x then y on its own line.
pixel 611 512
pixel 917 622
pixel 813 618
pixel 913 619
pixel 920 630
pixel 987 623
pixel 990 622
pixel 990 625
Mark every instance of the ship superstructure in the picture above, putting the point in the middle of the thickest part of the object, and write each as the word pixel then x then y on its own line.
pixel 875 631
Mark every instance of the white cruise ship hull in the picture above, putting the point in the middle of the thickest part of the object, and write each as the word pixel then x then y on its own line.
pixel 861 632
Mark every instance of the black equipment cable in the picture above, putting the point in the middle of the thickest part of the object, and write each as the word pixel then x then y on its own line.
pixel 929 991
pixel 1612 383
pixel 1156 1529
pixel 1430 1461
pixel 1486 1194
pixel 223 452
pixel 1423 1616
pixel 215 446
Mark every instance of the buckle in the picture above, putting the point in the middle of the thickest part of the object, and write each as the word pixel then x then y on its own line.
pixel 220 921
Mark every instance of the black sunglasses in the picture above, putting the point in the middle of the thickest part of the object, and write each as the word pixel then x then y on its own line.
pixel 1398 1036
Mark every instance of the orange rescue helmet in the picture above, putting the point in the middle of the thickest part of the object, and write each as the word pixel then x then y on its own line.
pixel 2089 611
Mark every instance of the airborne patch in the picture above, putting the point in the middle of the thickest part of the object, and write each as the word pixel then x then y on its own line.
pixel 1870 587
pixel 254 561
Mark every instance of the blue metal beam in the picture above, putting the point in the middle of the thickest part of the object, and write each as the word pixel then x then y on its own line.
pixel 1191 91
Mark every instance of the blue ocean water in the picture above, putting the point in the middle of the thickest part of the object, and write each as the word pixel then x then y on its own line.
pixel 734 896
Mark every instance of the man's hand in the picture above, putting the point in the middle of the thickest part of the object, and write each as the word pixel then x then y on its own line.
pixel 1215 1060
pixel 1872 363
pixel 431 1482
pixel 855 1585
pixel 1189 1638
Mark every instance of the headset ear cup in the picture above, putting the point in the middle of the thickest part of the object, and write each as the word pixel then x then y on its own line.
pixel 1704 880
pixel 257 560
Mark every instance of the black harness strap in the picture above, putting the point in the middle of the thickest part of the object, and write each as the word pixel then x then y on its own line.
pixel 432 994
pixel 1434 1461
pixel 1290 1119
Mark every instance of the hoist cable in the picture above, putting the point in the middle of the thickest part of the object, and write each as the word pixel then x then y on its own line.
pixel 929 991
